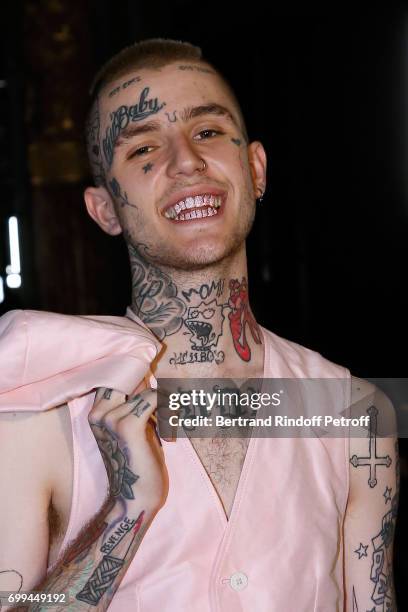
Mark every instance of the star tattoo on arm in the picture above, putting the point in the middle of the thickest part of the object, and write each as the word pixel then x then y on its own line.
pixel 361 550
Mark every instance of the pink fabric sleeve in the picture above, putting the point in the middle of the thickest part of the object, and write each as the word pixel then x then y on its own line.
pixel 47 359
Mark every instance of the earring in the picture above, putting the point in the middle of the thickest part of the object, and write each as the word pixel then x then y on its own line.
pixel 261 197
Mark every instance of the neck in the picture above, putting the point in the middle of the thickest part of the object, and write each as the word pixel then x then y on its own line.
pixel 203 317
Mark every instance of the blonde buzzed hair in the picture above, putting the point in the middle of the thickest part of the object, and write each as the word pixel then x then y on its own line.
pixel 152 53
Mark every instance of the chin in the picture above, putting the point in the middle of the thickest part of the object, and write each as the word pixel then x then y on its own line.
pixel 199 257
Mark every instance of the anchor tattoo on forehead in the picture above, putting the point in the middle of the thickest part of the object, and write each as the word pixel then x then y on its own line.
pixel 122 116
pixel 372 460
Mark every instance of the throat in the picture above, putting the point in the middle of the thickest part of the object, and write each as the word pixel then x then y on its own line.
pixel 205 321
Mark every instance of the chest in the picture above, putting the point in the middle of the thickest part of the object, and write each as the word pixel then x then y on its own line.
pixel 222 459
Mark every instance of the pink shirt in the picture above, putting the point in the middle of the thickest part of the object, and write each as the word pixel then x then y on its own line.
pixel 281 549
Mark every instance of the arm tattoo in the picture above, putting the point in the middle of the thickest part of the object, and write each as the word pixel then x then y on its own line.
pixel 107 570
pixel 381 562
pixel 372 460
pixel 361 550
pixel 120 477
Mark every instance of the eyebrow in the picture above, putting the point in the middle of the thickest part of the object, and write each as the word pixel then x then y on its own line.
pixel 191 112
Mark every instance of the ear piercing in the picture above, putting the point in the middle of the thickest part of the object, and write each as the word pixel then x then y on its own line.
pixel 260 198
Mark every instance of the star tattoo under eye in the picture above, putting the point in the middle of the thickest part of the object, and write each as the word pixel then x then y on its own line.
pixel 387 494
pixel 361 550
pixel 147 167
pixel 236 141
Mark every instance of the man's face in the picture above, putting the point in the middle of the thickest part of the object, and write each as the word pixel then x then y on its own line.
pixel 177 165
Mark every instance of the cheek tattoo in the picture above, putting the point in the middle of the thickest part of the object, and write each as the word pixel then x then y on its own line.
pixel 236 141
pixel 117 192
pixel 147 167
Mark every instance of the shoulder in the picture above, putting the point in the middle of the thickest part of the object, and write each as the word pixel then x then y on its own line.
pixel 32 446
pixel 300 361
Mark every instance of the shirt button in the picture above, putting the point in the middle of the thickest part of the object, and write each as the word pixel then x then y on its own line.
pixel 238 581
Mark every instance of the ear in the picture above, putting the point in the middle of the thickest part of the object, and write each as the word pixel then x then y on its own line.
pixel 101 208
pixel 257 164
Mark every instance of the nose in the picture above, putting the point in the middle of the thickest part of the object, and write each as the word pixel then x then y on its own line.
pixel 184 158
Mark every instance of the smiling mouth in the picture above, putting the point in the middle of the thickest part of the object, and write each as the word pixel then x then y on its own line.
pixel 194 207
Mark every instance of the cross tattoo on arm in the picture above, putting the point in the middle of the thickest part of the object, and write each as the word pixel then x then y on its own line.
pixel 372 460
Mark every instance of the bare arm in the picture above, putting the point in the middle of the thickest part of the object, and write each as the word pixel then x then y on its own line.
pixel 91 569
pixel 372 509
pixel 25 491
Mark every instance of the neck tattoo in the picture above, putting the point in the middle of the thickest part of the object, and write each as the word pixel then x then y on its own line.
pixel 203 315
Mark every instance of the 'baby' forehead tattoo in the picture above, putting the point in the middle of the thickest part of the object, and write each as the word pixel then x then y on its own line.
pixel 122 116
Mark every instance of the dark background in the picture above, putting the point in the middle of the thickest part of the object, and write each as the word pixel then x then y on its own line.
pixel 326 93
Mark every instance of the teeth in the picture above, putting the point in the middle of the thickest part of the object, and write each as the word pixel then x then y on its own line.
pixel 207 205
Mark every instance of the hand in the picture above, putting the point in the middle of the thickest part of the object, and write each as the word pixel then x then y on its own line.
pixel 129 445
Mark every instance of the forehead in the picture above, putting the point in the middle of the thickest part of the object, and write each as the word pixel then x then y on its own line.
pixel 174 86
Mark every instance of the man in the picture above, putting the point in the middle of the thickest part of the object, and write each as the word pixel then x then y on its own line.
pixel 206 523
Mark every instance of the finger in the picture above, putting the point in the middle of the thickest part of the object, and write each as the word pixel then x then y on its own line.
pixel 167 431
pixel 105 400
pixel 142 405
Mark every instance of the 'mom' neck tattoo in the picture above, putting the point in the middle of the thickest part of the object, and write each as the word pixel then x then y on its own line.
pixel 202 313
